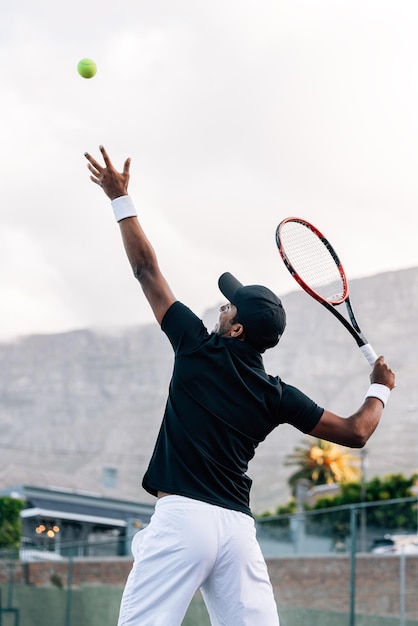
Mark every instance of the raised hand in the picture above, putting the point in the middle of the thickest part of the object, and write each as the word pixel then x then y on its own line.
pixel 113 183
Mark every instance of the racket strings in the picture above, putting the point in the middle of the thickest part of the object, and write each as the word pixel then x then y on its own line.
pixel 312 260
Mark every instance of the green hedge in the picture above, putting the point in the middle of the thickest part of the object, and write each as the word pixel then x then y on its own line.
pixel 10 524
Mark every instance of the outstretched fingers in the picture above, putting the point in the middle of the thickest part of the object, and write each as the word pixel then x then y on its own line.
pixel 113 183
pixel 126 167
pixel 92 163
pixel 95 168
pixel 94 177
pixel 106 157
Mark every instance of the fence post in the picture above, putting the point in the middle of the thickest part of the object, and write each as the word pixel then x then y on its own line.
pixel 69 588
pixel 11 580
pixel 402 587
pixel 353 533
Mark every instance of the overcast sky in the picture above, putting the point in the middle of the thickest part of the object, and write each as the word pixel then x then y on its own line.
pixel 236 114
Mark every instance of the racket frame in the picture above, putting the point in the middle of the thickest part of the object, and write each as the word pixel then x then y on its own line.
pixel 353 327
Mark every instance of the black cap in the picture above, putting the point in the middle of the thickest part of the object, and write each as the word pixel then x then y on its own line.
pixel 259 310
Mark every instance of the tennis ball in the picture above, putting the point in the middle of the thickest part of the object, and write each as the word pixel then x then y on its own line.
pixel 87 68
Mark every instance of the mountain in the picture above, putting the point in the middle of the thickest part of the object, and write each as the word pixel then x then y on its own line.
pixel 78 407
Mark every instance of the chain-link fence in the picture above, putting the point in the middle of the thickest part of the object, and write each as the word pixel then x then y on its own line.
pixel 361 558
pixel 354 565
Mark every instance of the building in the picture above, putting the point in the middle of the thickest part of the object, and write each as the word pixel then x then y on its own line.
pixel 63 522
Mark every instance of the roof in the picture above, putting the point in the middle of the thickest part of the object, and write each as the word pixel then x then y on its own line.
pixel 71 505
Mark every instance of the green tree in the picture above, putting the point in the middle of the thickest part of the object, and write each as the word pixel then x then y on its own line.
pixel 322 462
pixel 402 515
pixel 10 524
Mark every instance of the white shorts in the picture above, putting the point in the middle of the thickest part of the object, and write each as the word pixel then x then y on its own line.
pixel 190 545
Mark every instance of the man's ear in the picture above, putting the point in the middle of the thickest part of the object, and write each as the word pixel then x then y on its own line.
pixel 237 331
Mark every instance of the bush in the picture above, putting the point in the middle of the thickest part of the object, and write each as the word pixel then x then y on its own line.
pixel 402 515
pixel 10 524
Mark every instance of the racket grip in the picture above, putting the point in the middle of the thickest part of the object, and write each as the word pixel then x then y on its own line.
pixel 369 353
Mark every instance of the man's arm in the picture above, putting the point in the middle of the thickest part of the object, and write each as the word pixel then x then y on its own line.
pixel 140 252
pixel 354 431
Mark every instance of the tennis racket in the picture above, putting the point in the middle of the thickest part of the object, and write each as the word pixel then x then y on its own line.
pixel 315 265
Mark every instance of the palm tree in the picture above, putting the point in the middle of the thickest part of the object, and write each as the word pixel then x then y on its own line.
pixel 321 463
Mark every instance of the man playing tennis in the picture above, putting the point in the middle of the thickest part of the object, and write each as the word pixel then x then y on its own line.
pixel 221 404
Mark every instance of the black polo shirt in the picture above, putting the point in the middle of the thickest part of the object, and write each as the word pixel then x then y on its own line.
pixel 221 405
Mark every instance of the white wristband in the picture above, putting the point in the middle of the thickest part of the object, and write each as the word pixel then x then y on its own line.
pixel 376 390
pixel 123 207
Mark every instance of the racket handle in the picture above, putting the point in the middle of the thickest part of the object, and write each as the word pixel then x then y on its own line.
pixel 369 353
